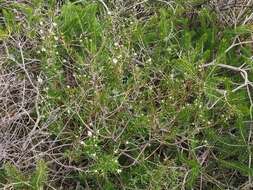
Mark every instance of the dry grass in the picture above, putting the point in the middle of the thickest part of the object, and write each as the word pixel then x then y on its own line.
pixel 151 133
pixel 234 12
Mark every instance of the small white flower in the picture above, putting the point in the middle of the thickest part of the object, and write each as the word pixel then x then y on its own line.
pixel 64 61
pixel 41 31
pixel 89 133
pixel 41 23
pixel 119 170
pixel 68 86
pixel 54 24
pixel 40 81
pixel 82 142
pixel 43 49
pixel 95 171
pixel 56 38
pixel 116 44
pixel 109 13
pixel 127 142
pixel 93 155
pixel 115 61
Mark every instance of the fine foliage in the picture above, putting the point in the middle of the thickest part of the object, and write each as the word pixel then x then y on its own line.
pixel 114 94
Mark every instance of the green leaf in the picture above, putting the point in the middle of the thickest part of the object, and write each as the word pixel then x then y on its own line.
pixel 40 176
pixel 242 168
pixel 9 20
pixel 194 170
pixel 15 176
pixel 3 34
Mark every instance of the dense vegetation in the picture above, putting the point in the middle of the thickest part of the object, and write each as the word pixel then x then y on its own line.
pixel 126 94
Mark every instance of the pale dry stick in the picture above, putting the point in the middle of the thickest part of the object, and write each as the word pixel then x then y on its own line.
pixel 152 153
pixel 83 122
pixel 249 150
pixel 217 183
pixel 59 147
pixel 245 9
pixel 184 180
pixel 122 131
pixel 14 141
pixel 238 69
pixel 137 158
pixel 62 130
pixel 250 134
pixel 129 156
pixel 237 44
pixel 129 149
pixel 233 14
pixel 251 101
pixel 219 99
pixel 246 83
pixel 201 182
pixel 24 68
pixel 21 139
pixel 69 166
pixel 12 185
pixel 116 110
pixel 104 4
pixel 47 152
pixel 36 125
pixel 248 19
pixel 48 185
pixel 169 3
